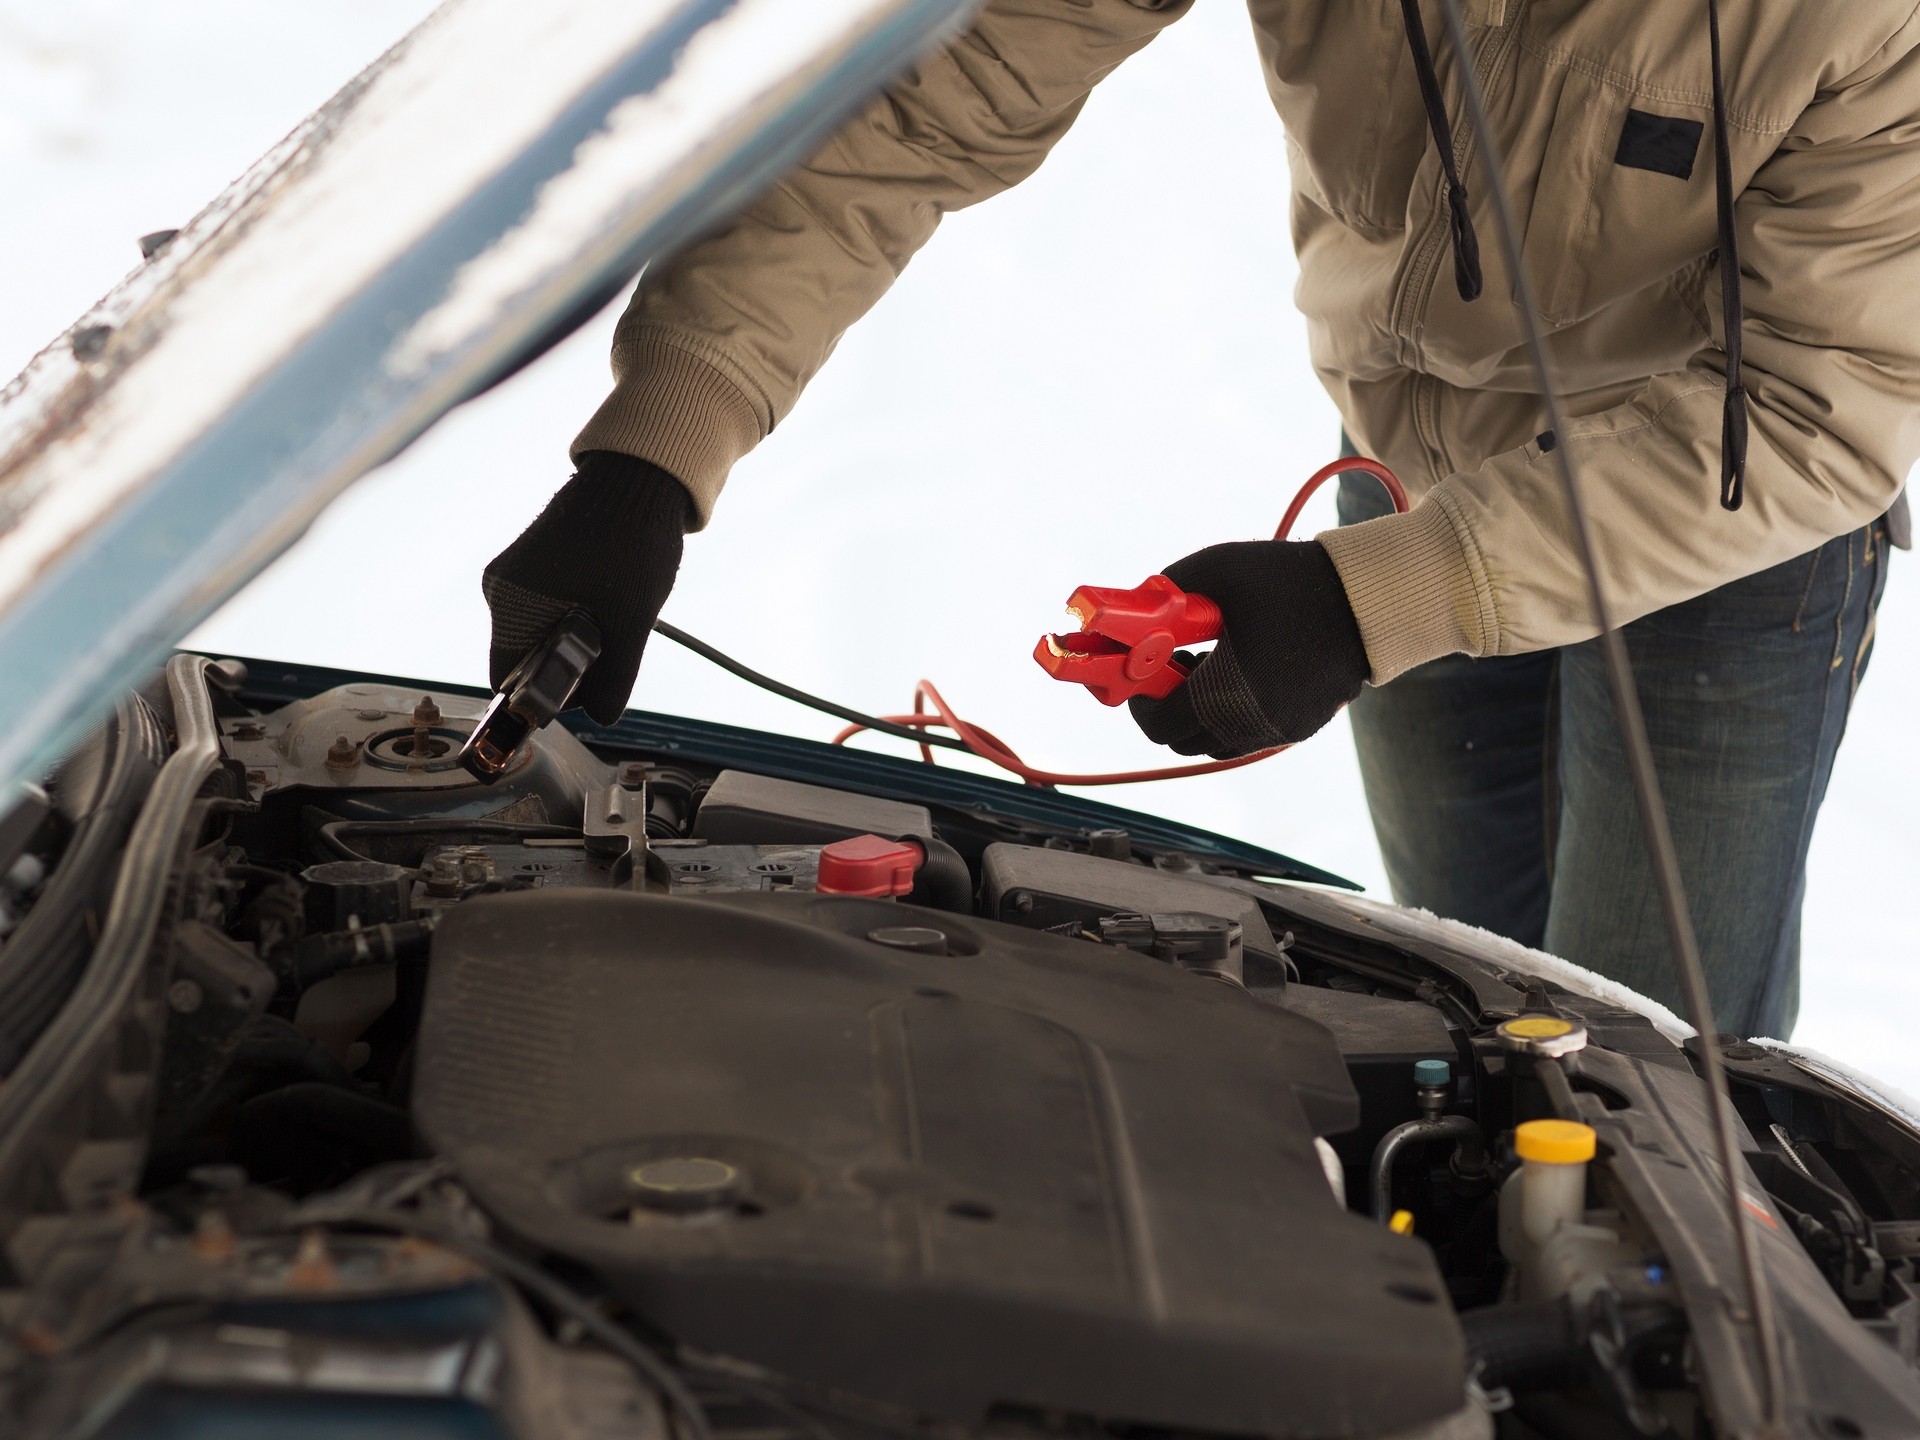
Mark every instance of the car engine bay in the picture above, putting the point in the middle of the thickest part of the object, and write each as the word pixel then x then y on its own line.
pixel 640 1095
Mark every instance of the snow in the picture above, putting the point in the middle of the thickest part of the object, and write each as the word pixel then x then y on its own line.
pixel 27 399
pixel 1096 373
pixel 1896 1102
pixel 1502 951
pixel 737 62
pixel 1425 924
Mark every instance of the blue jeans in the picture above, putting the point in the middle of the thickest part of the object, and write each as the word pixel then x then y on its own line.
pixel 1500 793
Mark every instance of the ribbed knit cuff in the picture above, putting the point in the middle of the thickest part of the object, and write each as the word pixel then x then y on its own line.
pixel 674 410
pixel 1416 586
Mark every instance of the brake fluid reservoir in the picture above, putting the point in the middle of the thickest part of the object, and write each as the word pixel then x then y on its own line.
pixel 1549 1189
pixel 1553 1175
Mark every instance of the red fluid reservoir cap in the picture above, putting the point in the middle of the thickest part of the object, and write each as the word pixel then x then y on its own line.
pixel 868 865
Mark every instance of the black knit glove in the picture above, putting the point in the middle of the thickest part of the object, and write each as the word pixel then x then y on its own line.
pixel 1289 654
pixel 609 544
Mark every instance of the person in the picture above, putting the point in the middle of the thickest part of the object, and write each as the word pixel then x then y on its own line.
pixel 1720 206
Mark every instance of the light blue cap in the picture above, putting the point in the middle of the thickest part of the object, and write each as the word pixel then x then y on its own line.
pixel 1432 1072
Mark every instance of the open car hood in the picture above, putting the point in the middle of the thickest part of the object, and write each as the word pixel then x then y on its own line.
pixel 480 190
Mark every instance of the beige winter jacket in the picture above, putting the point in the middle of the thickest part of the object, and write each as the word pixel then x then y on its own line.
pixel 1824 109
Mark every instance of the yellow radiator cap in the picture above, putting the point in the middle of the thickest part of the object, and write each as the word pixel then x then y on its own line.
pixel 1537 1027
pixel 1548 1036
pixel 1557 1142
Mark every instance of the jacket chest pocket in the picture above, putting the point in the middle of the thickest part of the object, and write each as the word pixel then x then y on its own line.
pixel 1624 193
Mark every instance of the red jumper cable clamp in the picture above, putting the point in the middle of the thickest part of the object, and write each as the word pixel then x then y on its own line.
pixel 1125 647
pixel 1127 638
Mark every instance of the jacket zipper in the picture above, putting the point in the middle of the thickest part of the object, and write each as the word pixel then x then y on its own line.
pixel 1417 289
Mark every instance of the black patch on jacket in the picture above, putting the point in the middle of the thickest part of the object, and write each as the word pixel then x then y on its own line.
pixel 1661 143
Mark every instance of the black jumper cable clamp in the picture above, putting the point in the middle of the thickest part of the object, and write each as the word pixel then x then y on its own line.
pixel 538 689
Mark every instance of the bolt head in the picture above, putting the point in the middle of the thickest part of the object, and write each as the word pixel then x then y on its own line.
pixel 475 866
pixel 89 341
pixel 184 997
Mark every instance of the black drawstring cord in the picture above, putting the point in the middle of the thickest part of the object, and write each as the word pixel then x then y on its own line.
pixel 1733 420
pixel 1466 244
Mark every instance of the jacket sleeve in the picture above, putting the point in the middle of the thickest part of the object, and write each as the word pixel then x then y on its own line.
pixel 720 339
pixel 1830 250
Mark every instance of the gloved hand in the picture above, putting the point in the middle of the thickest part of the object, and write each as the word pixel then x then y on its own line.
pixel 609 544
pixel 1289 654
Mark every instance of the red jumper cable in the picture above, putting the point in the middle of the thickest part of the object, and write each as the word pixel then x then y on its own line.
pixel 1125 647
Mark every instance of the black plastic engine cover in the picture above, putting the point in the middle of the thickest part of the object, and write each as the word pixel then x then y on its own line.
pixel 1031 1172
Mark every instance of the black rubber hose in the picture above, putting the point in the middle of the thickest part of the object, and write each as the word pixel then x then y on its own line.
pixel 1469 1154
pixel 1531 1346
pixel 313 1136
pixel 274 1055
pixel 283 1054
pixel 44 958
pixel 944 882
pixel 316 957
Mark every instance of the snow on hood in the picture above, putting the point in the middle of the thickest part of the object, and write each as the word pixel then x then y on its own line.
pixel 1878 1093
pixel 729 66
pixel 1424 924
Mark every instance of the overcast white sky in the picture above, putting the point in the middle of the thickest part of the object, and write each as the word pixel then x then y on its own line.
pixel 1076 383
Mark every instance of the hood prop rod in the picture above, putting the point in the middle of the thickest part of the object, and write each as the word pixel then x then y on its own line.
pixel 1771 1386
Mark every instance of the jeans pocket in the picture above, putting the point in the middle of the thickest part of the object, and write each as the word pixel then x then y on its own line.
pixel 1877 551
pixel 1812 564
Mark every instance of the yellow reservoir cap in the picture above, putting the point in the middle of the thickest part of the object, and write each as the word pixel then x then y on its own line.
pixel 1538 1027
pixel 1541 1036
pixel 1556 1142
